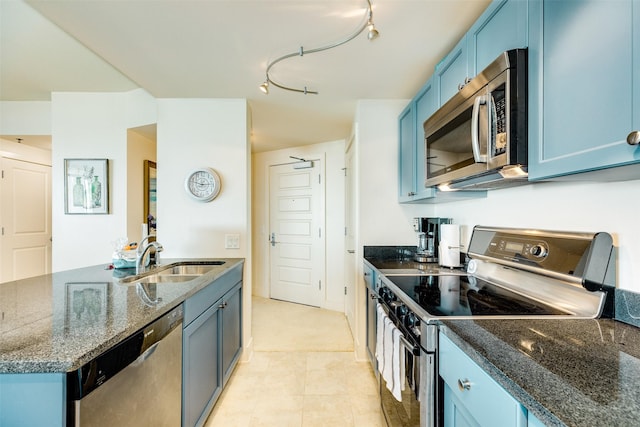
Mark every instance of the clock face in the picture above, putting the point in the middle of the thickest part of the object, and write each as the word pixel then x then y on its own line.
pixel 203 184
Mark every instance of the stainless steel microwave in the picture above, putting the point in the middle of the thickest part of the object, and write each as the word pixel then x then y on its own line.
pixel 478 139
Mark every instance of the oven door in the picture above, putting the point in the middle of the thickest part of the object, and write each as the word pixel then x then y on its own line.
pixel 407 412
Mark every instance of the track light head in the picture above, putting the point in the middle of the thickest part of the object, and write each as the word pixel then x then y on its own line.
pixel 264 87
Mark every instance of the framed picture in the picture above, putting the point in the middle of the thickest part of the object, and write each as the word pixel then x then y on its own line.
pixel 86 186
pixel 150 211
pixel 86 305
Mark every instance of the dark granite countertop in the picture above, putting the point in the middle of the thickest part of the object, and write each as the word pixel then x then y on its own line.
pixel 57 322
pixel 565 372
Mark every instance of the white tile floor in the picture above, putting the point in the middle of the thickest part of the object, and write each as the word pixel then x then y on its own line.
pixel 303 373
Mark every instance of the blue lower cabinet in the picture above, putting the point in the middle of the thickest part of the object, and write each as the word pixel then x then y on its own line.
pixel 33 400
pixel 471 396
pixel 211 345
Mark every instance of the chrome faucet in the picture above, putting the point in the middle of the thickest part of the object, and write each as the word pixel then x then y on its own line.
pixel 142 251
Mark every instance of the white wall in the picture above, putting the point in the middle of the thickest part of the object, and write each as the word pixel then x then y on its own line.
pixel 88 126
pixel 380 219
pixel 577 206
pixel 195 133
pixel 333 156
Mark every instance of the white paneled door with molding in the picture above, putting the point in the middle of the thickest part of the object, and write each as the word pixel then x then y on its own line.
pixel 26 220
pixel 296 235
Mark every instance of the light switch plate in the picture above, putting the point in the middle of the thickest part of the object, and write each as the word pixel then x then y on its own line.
pixel 232 241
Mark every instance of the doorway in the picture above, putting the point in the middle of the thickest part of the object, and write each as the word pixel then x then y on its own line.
pixel 296 232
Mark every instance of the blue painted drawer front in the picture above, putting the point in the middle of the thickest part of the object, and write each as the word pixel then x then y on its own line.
pixel 485 401
pixel 584 85
pixel 503 26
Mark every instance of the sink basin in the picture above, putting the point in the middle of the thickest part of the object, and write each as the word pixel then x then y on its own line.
pixel 173 273
pixel 188 269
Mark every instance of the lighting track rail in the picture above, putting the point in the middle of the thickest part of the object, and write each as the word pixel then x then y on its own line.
pixel 372 34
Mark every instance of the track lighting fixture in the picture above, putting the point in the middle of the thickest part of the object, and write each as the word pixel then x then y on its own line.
pixel 372 34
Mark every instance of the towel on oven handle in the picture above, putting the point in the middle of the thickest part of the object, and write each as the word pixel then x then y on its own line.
pixel 390 354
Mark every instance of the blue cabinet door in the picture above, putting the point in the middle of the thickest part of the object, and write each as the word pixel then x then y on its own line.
pixel 503 26
pixel 474 398
pixel 583 85
pixel 425 106
pixel 455 413
pixel 201 376
pixel 406 154
pixel 451 73
pixel 231 330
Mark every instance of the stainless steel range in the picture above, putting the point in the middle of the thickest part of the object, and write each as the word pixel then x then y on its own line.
pixel 512 273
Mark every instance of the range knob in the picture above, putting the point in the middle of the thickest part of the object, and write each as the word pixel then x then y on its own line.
pixel 401 311
pixel 411 320
pixel 538 251
pixel 386 294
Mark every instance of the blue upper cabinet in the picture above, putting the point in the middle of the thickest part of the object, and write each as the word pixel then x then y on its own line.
pixel 451 73
pixel 406 154
pixel 584 86
pixel 501 27
pixel 425 106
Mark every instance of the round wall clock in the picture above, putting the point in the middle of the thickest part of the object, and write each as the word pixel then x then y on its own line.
pixel 203 184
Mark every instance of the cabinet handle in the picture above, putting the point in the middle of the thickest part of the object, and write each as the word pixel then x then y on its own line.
pixel 223 305
pixel 411 193
pixel 464 384
pixel 634 138
pixel 460 86
pixel 373 296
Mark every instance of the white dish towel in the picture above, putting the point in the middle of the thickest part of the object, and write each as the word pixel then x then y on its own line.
pixel 389 353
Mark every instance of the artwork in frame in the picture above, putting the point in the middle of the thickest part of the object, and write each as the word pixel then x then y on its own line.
pixel 86 305
pixel 86 186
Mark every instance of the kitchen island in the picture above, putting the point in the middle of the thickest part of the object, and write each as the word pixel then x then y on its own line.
pixel 54 324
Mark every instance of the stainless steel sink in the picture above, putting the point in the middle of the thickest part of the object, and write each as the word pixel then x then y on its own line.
pixel 179 272
pixel 188 269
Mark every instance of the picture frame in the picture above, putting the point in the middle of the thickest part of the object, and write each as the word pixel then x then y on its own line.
pixel 150 189
pixel 86 304
pixel 86 186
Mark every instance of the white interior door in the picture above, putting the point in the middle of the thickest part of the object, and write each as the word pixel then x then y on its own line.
pixel 296 220
pixel 350 239
pixel 26 220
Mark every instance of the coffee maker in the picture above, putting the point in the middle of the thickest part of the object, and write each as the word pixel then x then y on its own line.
pixel 428 230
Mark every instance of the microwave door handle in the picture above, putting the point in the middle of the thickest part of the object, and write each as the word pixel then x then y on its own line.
pixel 475 131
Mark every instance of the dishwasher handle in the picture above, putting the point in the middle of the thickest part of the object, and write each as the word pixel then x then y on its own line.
pixel 147 354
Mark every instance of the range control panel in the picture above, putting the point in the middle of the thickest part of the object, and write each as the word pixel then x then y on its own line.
pixel 561 252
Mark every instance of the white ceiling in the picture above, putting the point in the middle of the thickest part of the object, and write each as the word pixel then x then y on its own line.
pixel 221 48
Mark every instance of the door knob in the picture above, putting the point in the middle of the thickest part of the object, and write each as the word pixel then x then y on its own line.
pixel 272 239
pixel 634 138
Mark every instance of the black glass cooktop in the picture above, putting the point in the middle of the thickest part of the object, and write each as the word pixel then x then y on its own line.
pixel 455 295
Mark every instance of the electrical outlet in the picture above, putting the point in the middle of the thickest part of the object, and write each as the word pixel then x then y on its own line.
pixel 232 241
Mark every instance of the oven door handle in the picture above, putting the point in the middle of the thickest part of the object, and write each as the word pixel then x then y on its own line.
pixel 413 348
pixel 475 129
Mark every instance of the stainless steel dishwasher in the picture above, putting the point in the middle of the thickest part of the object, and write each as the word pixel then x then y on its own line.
pixel 136 383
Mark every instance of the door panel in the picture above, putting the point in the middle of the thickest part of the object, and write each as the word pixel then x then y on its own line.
pixel 297 241
pixel 26 220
